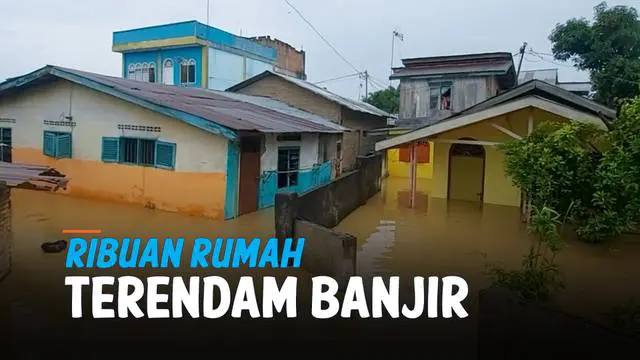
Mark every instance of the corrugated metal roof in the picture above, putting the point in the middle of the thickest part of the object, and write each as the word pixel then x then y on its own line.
pixel 497 63
pixel 284 108
pixel 548 75
pixel 214 111
pixel 38 177
pixel 500 68
pixel 350 104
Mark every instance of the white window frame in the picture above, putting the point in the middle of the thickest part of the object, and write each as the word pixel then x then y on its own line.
pixel 145 72
pixel 131 72
pixel 138 72
pixel 171 66
pixel 187 63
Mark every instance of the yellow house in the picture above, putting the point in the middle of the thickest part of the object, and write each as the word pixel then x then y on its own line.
pixel 466 163
pixel 399 160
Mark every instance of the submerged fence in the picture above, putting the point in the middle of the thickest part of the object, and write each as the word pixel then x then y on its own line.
pixel 312 216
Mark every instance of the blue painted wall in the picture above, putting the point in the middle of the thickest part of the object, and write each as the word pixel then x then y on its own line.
pixel 307 181
pixel 218 37
pixel 231 192
pixel 160 55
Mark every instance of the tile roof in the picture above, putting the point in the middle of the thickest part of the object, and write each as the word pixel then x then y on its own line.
pixel 349 103
pixel 214 111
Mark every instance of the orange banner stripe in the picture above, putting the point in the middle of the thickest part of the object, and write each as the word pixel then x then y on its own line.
pixel 81 231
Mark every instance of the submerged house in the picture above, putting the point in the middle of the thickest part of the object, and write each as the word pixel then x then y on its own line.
pixel 192 150
pixel 434 88
pixel 357 116
pixel 193 54
pixel 467 165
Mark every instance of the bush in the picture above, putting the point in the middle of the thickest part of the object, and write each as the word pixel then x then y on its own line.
pixel 578 167
pixel 539 277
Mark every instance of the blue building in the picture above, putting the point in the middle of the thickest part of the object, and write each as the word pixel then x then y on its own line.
pixel 197 55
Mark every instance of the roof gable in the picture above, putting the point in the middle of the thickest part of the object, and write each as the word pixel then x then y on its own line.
pixel 358 106
pixel 534 93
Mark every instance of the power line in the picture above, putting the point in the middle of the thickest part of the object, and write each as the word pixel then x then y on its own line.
pixel 539 55
pixel 338 78
pixel 321 37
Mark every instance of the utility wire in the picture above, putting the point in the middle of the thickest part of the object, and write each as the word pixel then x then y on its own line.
pixel 338 78
pixel 539 55
pixel 321 37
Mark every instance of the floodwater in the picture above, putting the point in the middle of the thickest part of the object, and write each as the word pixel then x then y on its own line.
pixel 435 238
pixel 440 237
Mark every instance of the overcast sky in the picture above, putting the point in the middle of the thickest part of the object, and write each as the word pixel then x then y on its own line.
pixel 78 34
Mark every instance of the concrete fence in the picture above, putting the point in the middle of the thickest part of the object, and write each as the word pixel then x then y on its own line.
pixel 313 215
pixel 5 230
pixel 512 329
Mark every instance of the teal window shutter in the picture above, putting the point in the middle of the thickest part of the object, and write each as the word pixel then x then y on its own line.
pixel 165 155
pixel 63 146
pixel 110 149
pixel 49 144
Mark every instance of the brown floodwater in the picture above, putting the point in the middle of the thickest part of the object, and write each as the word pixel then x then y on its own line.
pixel 437 237
pixel 440 237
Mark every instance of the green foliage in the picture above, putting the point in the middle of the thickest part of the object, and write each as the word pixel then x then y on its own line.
pixel 626 318
pixel 554 166
pixel 615 205
pixel 589 174
pixel 539 277
pixel 607 47
pixel 387 100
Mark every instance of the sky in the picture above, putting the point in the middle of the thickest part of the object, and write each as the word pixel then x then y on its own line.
pixel 78 34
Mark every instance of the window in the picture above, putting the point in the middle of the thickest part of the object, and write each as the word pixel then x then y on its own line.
pixel 288 166
pixel 289 137
pixel 142 72
pixel 132 72
pixel 188 72
pixel 167 72
pixel 152 73
pixel 323 155
pixel 57 144
pixel 5 145
pixel 138 75
pixel 440 95
pixel 145 72
pixel 144 152
pixel 422 152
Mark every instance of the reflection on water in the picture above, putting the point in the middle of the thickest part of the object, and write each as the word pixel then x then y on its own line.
pixel 442 237
pixel 376 248
pixel 35 290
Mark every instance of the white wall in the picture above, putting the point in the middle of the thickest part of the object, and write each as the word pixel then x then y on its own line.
pixel 308 151
pixel 97 115
pixel 225 69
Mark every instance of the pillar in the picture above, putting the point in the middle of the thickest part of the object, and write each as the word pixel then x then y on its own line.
pixel 413 169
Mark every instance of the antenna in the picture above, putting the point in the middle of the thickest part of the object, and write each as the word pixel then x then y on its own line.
pixel 400 36
pixel 208 12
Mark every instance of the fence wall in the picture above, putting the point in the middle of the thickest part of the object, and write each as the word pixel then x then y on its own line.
pixel 313 215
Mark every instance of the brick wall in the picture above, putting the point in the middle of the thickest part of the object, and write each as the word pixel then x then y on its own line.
pixel 288 58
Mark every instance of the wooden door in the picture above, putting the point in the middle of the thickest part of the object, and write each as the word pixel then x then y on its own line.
pixel 249 175
pixel 466 172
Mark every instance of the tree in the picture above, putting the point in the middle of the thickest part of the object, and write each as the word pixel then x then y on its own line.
pixel 590 175
pixel 608 47
pixel 387 100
